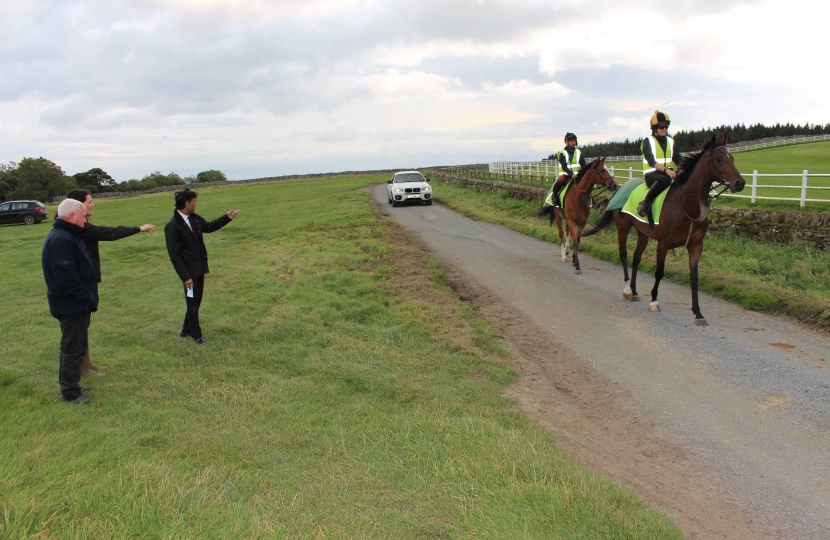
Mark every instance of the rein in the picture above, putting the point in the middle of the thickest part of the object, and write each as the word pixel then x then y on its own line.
pixel 704 201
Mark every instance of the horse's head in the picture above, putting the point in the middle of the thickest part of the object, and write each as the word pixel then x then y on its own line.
pixel 722 165
pixel 605 177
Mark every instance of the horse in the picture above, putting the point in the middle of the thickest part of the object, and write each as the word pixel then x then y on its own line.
pixel 683 220
pixel 577 206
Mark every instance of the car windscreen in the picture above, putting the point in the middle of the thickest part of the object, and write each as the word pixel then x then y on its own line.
pixel 409 177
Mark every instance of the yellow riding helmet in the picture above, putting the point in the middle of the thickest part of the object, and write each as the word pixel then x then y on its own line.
pixel 660 118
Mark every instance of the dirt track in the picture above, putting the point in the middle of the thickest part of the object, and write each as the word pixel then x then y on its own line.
pixel 724 428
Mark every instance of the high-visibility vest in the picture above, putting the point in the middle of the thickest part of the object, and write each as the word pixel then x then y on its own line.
pixel 573 162
pixel 663 158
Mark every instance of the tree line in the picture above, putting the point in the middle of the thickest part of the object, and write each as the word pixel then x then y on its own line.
pixel 693 139
pixel 42 180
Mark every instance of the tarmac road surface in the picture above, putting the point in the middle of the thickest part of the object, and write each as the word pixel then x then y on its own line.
pixel 749 394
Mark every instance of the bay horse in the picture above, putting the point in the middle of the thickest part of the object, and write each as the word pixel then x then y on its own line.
pixel 683 220
pixel 577 206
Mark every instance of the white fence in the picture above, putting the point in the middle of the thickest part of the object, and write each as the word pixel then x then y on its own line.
pixel 752 183
pixel 547 170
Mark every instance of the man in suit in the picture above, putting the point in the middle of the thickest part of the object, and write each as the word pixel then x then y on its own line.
pixel 185 245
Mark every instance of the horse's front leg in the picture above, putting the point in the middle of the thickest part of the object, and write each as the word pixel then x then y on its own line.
pixel 562 239
pixel 695 251
pixel 576 230
pixel 642 242
pixel 662 251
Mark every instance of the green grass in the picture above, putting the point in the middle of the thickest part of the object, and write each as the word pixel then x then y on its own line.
pixel 792 279
pixel 326 404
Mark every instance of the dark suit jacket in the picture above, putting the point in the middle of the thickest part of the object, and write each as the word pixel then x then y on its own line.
pixel 97 233
pixel 187 249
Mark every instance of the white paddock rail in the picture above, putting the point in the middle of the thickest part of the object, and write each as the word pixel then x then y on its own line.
pixel 550 169
pixel 753 184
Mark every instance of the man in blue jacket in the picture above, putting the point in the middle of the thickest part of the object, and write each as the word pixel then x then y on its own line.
pixel 72 290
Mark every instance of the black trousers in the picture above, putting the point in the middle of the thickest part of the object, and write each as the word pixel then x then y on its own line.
pixel 191 316
pixel 658 177
pixel 74 344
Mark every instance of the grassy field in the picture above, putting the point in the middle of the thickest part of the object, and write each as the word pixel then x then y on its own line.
pixel 333 399
pixel 791 279
pixel 791 159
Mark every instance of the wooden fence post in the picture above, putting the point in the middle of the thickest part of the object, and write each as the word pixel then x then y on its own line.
pixel 754 185
pixel 804 178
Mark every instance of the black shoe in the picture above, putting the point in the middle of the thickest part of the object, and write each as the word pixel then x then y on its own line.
pixel 184 334
pixel 83 398
pixel 643 209
pixel 199 341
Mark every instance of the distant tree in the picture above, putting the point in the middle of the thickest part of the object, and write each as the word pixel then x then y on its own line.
pixel 5 187
pixel 94 180
pixel 211 176
pixel 38 179
pixel 693 139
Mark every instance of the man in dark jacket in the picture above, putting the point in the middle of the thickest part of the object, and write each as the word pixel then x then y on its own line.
pixel 185 245
pixel 91 236
pixel 72 290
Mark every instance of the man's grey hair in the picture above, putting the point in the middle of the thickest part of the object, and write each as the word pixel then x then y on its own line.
pixel 67 207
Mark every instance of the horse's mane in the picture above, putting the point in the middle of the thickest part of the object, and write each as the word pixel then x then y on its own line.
pixel 687 167
pixel 584 169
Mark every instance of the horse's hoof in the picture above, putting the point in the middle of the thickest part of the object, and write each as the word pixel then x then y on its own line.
pixel 701 322
pixel 635 298
pixel 564 259
pixel 626 296
pixel 654 307
pixel 578 272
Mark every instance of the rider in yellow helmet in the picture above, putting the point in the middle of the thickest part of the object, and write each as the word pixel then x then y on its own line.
pixel 570 161
pixel 660 159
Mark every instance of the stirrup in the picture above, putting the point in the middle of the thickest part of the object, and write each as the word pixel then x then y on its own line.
pixel 643 208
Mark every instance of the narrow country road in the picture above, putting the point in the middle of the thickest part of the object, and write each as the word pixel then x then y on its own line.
pixel 748 397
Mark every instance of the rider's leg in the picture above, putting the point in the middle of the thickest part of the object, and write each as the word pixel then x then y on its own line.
pixel 659 181
pixel 557 187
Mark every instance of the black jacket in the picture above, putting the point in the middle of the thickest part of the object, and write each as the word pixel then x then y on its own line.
pixel 95 233
pixel 187 249
pixel 71 281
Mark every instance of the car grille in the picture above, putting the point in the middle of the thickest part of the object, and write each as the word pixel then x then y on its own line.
pixel 413 190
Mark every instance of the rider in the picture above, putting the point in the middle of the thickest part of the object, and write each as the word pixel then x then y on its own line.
pixel 660 159
pixel 570 161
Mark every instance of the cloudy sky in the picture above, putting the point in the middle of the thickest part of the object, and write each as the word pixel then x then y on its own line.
pixel 261 88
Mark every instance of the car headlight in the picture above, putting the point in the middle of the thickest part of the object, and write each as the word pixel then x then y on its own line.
pixel 398 190
pixel 426 188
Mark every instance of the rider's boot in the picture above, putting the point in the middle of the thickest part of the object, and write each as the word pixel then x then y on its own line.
pixel 556 189
pixel 653 191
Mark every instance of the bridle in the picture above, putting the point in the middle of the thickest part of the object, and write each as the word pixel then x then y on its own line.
pixel 605 182
pixel 704 201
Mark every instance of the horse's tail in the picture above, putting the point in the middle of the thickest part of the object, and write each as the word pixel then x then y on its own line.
pixel 603 222
pixel 547 211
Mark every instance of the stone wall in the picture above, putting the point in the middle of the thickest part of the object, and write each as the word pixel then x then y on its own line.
pixel 811 228
pixel 235 183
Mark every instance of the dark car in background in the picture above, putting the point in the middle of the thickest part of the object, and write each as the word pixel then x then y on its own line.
pixel 28 212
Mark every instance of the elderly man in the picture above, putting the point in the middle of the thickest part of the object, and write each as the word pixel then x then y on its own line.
pixel 72 290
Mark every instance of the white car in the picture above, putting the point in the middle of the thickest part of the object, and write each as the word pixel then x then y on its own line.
pixel 408 186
